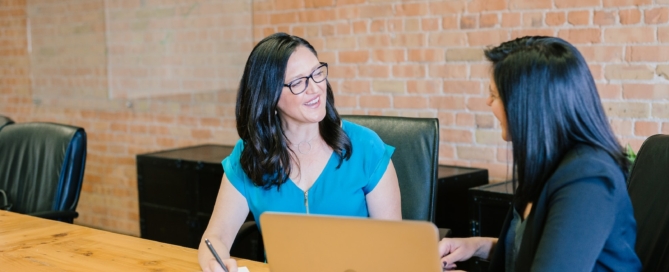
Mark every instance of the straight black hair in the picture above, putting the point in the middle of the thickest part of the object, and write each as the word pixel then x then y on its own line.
pixel 266 155
pixel 552 104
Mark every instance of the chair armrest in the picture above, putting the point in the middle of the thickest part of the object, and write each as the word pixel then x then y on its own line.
pixel 444 232
pixel 248 243
pixel 65 216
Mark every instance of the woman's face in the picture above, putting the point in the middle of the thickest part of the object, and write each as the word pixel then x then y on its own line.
pixel 495 104
pixel 308 106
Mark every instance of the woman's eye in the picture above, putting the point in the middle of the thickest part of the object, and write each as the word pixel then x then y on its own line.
pixel 296 84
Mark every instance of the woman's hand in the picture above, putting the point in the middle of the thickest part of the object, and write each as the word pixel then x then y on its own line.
pixel 461 249
pixel 213 266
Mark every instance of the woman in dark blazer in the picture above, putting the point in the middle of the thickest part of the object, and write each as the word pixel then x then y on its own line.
pixel 571 210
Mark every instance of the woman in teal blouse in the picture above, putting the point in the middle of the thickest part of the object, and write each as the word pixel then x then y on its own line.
pixel 295 153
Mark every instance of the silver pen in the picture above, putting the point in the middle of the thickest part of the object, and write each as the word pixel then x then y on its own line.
pixel 213 251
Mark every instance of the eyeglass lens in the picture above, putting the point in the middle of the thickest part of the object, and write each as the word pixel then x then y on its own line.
pixel 300 85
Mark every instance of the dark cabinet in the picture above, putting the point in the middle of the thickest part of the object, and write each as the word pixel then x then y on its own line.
pixel 452 197
pixel 177 191
pixel 489 206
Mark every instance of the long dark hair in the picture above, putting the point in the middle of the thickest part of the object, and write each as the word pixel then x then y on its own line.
pixel 266 155
pixel 551 104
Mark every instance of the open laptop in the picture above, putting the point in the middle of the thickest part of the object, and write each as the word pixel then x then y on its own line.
pixel 298 242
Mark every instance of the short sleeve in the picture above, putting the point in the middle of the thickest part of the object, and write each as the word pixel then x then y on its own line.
pixel 233 170
pixel 380 168
pixel 370 151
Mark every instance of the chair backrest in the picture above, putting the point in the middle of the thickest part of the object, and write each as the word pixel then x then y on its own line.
pixel 648 188
pixel 4 120
pixel 416 142
pixel 42 166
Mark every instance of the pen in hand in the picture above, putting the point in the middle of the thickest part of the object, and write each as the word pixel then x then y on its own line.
pixel 213 251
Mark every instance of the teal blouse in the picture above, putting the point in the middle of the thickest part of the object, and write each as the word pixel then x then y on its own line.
pixel 337 191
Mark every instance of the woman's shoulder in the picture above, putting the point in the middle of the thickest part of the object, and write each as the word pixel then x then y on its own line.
pixel 585 162
pixel 353 129
pixel 362 137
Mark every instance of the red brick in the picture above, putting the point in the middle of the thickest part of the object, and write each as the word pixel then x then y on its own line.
pixel 577 3
pixel 446 7
pixel 446 71
pixel 555 18
pixel 648 53
pixel 604 18
pixel 450 22
pixel 375 101
pixel 580 36
pixel 533 4
pixel 629 35
pixel 475 6
pixel 348 12
pixel 656 15
pixel 476 153
pixel 389 55
pixel 410 102
pixel 665 128
pixel 532 32
pixel 318 3
pixel 374 71
pixel 625 3
pixel 408 71
pixel 468 22
pixel 356 86
pixel 456 135
pixel 602 53
pixel 609 91
pixel 408 40
pixel 533 19
pixel 353 56
pixel 464 119
pixel 488 20
pixel 429 24
pixel 630 16
pixel 447 38
pixel 645 128
pixel 426 55
pixel 411 9
pixel 424 86
pixel 447 102
pixel 650 92
pixel 580 17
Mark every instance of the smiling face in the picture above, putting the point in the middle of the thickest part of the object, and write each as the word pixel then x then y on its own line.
pixel 497 107
pixel 309 106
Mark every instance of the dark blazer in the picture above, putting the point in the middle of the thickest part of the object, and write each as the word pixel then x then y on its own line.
pixel 582 221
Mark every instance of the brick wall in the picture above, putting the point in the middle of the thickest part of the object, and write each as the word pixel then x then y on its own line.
pixel 387 57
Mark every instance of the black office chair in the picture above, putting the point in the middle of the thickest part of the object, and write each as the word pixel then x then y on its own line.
pixel 4 120
pixel 41 169
pixel 648 188
pixel 416 142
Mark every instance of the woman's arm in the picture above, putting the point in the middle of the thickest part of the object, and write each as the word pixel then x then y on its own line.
pixel 384 201
pixel 229 214
pixel 580 219
pixel 461 249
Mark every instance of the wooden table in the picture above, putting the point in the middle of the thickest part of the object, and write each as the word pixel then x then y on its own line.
pixel 33 244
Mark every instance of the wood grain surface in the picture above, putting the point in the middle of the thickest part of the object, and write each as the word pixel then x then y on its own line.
pixel 33 244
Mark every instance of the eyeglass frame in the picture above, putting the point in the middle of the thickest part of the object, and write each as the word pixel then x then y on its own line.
pixel 306 85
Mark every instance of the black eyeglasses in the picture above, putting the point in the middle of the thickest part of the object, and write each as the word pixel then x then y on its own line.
pixel 300 85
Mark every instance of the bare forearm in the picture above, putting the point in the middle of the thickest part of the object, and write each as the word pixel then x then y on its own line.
pixel 204 254
pixel 486 247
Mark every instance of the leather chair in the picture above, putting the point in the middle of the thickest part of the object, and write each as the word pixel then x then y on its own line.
pixel 648 189
pixel 4 120
pixel 416 142
pixel 42 167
